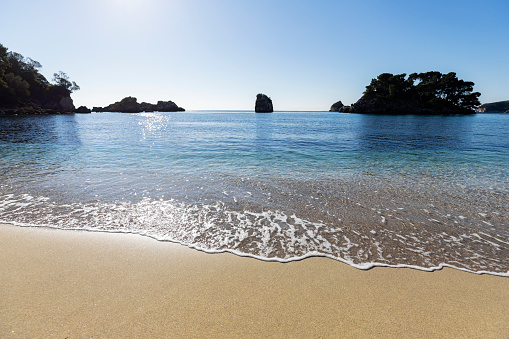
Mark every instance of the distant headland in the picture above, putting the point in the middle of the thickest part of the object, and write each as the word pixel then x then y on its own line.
pixel 418 93
pixel 494 107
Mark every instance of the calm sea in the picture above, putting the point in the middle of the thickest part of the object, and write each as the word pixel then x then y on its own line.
pixel 402 191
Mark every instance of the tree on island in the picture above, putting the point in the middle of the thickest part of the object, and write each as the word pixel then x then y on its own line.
pixel 62 80
pixel 418 93
pixel 23 87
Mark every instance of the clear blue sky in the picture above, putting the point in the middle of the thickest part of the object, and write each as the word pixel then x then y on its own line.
pixel 218 54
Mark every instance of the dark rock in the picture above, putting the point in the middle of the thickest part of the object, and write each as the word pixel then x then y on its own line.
pixel 131 105
pixel 168 106
pixel 346 109
pixel 146 107
pixel 127 105
pixel 376 105
pixel 32 109
pixel 336 107
pixel 58 100
pixel 82 109
pixel 263 104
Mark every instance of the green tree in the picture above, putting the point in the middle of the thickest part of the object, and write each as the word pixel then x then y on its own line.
pixel 19 87
pixel 437 90
pixel 389 86
pixel 61 79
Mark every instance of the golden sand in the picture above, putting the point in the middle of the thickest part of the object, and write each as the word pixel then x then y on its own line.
pixel 72 284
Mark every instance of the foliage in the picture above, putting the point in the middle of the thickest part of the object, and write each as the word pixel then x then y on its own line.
pixel 21 83
pixel 431 92
pixel 61 79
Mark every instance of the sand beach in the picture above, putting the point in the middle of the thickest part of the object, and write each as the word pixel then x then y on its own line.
pixel 76 284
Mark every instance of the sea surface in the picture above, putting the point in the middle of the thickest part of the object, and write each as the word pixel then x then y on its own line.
pixel 368 190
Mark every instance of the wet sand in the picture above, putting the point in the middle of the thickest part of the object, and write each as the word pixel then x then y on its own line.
pixel 56 283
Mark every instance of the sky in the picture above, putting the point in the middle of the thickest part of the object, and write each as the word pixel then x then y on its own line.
pixel 218 54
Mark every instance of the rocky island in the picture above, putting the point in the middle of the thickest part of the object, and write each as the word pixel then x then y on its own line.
pixel 24 90
pixel 83 109
pixel 336 107
pixel 263 104
pixel 423 93
pixel 131 105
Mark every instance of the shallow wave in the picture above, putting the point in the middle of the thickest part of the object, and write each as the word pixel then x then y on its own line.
pixel 271 235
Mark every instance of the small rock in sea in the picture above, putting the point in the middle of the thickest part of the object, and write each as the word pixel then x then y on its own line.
pixel 263 104
pixel 336 107
pixel 83 109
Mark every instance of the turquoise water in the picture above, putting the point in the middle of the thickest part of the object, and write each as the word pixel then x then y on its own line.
pixel 417 191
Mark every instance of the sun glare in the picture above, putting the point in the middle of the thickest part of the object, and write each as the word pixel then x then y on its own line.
pixel 129 5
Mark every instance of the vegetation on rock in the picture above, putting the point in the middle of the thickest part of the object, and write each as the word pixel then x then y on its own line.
pixel 23 89
pixel 418 93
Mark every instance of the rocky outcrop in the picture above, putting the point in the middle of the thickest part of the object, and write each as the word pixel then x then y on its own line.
pixel 33 109
pixel 167 106
pixel 263 104
pixel 494 107
pixel 58 100
pixel 336 107
pixel 131 105
pixel 83 109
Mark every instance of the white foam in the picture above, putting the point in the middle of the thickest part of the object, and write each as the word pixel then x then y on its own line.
pixel 271 235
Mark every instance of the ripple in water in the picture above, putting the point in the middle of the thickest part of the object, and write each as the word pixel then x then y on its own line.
pixel 379 237
pixel 421 192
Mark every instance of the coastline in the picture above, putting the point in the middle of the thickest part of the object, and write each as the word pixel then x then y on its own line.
pixel 57 283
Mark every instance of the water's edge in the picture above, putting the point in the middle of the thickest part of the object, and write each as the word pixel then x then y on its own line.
pixel 363 266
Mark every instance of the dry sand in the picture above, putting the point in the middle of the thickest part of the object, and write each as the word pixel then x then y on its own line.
pixel 81 284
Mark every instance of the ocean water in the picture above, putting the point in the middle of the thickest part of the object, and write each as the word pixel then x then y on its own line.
pixel 401 191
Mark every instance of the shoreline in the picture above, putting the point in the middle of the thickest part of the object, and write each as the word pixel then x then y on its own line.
pixel 56 283
pixel 361 266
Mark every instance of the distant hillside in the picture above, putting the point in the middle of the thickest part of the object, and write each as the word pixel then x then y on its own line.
pixel 494 107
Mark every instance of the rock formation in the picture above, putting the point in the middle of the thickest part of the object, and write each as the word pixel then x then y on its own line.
pixel 59 103
pixel 263 104
pixel 167 106
pixel 131 105
pixel 336 107
pixel 82 109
